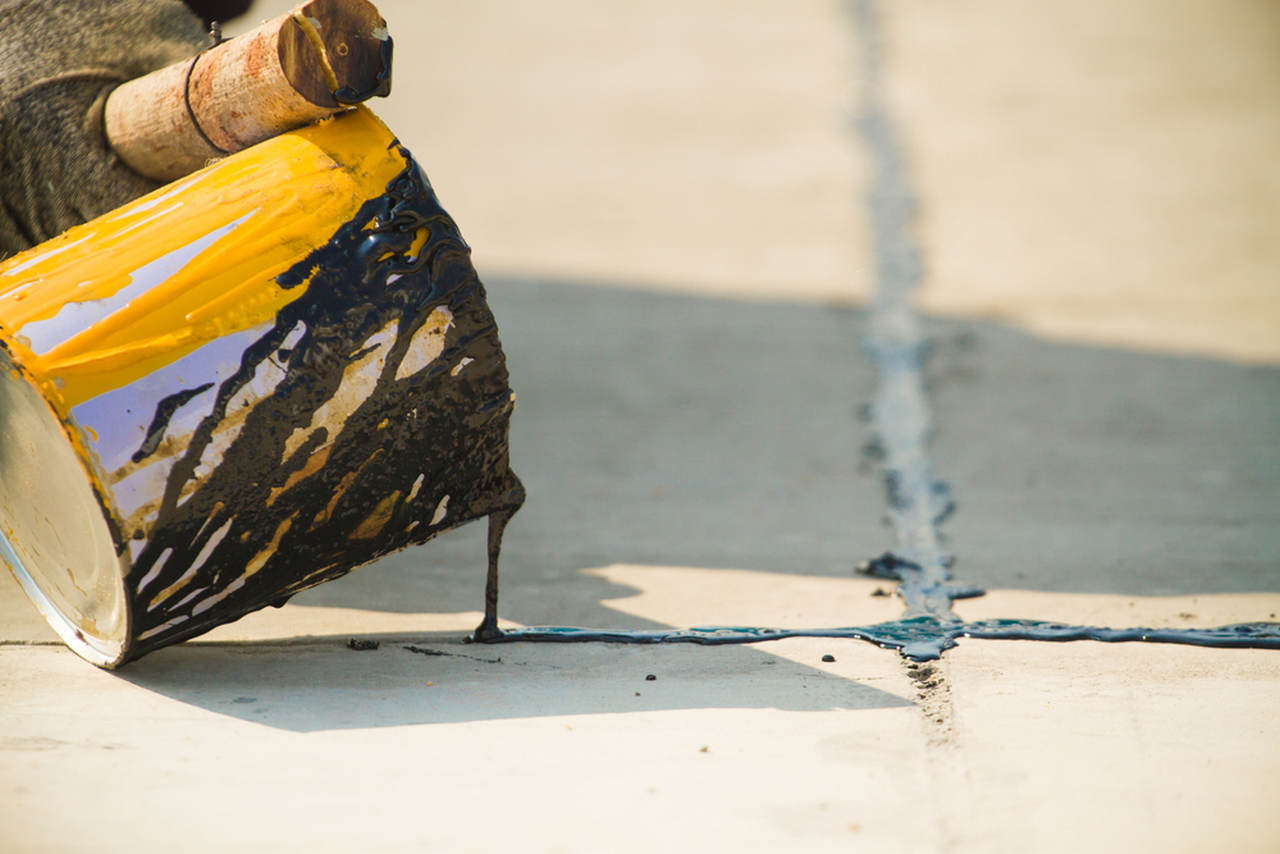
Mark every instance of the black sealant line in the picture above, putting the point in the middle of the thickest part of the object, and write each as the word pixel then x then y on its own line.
pixel 900 419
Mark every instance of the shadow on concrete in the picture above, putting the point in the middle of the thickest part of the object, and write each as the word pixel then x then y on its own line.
pixel 657 428
pixel 322 685
pixel 665 429
pixel 1095 470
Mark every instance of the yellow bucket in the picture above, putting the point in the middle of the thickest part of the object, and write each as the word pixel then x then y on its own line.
pixel 241 385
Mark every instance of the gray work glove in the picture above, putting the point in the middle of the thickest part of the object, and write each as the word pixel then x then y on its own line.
pixel 58 61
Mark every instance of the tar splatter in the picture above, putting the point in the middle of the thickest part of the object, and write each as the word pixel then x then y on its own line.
pixel 356 490
pixel 421 650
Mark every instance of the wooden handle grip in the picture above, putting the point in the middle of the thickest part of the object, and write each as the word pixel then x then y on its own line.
pixel 293 70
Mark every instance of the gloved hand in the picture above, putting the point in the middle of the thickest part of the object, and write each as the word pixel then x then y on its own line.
pixel 59 59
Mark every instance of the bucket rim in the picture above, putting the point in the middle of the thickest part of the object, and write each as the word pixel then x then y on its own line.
pixel 69 503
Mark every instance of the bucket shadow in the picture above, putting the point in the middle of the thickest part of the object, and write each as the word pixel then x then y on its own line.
pixel 322 685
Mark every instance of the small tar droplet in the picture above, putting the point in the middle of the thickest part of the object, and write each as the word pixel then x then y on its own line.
pixel 651 678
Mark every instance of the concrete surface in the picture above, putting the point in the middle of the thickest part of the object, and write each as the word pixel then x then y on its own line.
pixel 1118 160
pixel 666 203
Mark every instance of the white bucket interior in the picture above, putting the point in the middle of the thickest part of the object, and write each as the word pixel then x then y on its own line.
pixel 53 534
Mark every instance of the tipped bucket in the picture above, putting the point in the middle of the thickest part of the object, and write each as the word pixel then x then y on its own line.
pixel 246 383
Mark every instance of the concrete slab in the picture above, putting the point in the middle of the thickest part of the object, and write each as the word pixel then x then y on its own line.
pixel 1111 747
pixel 666 205
pixel 1095 172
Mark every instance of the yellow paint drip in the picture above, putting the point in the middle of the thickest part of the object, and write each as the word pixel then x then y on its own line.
pixel 313 464
pixel 420 238
pixel 377 519
pixel 290 193
pixel 346 481
pixel 260 559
